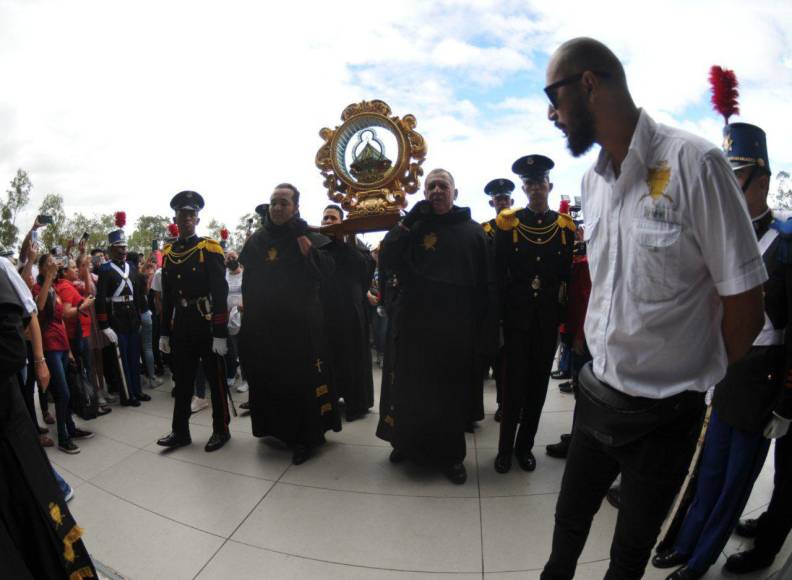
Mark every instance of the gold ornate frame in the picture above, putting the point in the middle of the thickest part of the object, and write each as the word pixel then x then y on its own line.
pixel 371 206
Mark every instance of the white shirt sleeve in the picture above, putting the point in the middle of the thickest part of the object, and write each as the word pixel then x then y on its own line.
pixel 21 289
pixel 723 229
pixel 156 282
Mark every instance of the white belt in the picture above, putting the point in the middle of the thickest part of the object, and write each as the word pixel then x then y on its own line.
pixel 127 298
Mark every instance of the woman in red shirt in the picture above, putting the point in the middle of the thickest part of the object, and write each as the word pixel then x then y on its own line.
pixel 52 312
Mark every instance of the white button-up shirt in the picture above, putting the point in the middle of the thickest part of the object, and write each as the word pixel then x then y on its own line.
pixel 665 240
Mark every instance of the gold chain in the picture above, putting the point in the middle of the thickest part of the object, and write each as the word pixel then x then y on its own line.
pixel 181 257
pixel 539 231
pixel 536 243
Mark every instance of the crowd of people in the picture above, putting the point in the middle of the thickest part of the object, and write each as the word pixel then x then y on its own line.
pixel 677 284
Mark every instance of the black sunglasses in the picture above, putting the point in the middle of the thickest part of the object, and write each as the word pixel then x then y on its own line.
pixel 552 90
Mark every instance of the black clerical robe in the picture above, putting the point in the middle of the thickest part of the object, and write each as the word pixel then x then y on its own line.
pixel 282 342
pixel 348 327
pixel 441 325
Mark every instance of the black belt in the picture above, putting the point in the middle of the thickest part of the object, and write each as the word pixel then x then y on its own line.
pixel 615 418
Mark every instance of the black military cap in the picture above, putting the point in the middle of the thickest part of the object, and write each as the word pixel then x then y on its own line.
pixel 533 167
pixel 499 186
pixel 187 200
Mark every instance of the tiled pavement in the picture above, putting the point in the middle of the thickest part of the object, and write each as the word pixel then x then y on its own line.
pixel 246 512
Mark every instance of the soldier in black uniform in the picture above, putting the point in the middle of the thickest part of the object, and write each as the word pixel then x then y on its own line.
pixel 195 317
pixel 500 194
pixel 120 303
pixel 533 259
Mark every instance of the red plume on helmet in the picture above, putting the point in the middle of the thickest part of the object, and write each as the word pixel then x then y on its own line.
pixel 173 230
pixel 120 219
pixel 563 206
pixel 223 234
pixel 724 92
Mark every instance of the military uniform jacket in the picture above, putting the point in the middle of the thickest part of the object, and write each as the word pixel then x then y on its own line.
pixel 194 289
pixel 120 297
pixel 760 382
pixel 533 261
pixel 490 227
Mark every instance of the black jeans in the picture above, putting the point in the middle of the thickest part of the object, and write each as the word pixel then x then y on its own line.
pixel 653 468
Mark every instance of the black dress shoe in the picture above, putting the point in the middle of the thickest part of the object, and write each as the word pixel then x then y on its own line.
pixel 300 454
pixel 173 441
pixel 103 410
pixel 498 414
pixel 747 528
pixel 685 573
pixel 503 462
pixel 560 374
pixel 130 403
pixel 245 405
pixel 526 460
pixel 558 450
pixel 216 441
pixel 396 456
pixel 143 397
pixel 566 387
pixel 747 562
pixel 456 473
pixel 669 559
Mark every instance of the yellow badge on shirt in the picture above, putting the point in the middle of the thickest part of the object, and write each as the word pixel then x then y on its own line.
pixel 658 180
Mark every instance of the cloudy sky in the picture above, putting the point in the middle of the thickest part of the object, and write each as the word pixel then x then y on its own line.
pixel 119 105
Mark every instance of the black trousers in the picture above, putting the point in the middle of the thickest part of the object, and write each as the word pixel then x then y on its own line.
pixel 776 522
pixel 186 354
pixel 653 468
pixel 529 360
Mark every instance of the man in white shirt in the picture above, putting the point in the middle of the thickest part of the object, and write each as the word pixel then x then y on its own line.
pixel 676 295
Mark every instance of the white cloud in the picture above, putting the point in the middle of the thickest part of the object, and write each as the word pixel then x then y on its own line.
pixel 119 106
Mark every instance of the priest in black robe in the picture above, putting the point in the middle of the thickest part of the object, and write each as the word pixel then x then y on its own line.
pixel 347 321
pixel 441 326
pixel 282 342
pixel 38 535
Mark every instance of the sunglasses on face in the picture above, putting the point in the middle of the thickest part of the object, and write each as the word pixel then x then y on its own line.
pixel 551 90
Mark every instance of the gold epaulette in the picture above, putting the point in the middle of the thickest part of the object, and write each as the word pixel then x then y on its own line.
pixel 211 245
pixel 565 221
pixel 507 219
pixel 166 249
pixel 487 228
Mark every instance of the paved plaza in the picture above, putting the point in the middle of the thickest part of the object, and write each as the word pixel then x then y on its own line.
pixel 246 512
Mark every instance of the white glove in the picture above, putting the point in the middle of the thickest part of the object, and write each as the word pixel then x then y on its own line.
pixel 110 335
pixel 776 427
pixel 219 346
pixel 164 344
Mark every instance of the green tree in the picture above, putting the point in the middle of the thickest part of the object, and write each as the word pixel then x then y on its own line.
pixel 214 228
pixel 18 197
pixel 148 228
pixel 97 226
pixel 247 224
pixel 53 234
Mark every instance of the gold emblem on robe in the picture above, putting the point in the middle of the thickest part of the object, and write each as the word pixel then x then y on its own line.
pixel 55 514
pixel 658 180
pixel 430 241
pixel 272 254
pixel 536 283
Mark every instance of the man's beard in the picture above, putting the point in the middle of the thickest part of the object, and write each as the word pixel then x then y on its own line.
pixel 582 135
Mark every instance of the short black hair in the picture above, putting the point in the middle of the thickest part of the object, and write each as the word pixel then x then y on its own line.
pixel 294 190
pixel 588 54
pixel 97 251
pixel 336 208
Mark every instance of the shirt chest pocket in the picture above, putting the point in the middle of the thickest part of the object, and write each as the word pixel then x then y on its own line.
pixel 654 261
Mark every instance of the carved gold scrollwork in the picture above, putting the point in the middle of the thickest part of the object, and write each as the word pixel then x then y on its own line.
pixel 361 173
